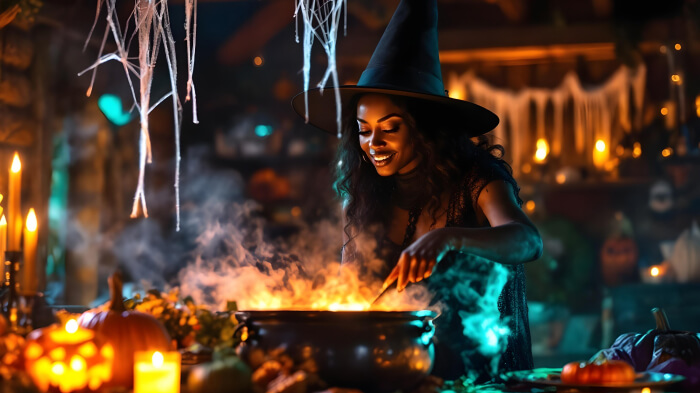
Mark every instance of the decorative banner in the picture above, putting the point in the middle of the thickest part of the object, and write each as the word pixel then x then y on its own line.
pixel 599 113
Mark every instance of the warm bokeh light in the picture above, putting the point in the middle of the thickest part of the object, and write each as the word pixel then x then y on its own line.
pixel 654 271
pixel 697 111
pixel 530 206
pixel 676 78
pixel 72 326
pixel 258 61
pixel 662 49
pixel 77 363
pixel 296 212
pixel 542 150
pixel 636 150
pixel 16 164
pixel 526 168
pixel 157 359
pixel 58 368
pixel 677 46
pixel 560 178
pixel 620 150
pixel 3 221
pixel 31 221
pixel 664 111
pixel 600 145
pixel 667 152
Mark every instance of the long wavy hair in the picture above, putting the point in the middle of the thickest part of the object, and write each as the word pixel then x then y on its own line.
pixel 446 150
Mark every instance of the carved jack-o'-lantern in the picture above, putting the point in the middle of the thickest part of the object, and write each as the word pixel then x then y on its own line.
pixel 68 358
pixel 618 258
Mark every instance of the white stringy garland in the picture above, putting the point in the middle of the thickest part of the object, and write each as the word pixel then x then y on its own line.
pixel 149 22
pixel 321 20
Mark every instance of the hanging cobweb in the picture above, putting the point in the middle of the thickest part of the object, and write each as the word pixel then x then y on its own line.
pixel 321 20
pixel 149 25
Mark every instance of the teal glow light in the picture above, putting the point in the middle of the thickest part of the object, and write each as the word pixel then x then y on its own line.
pixel 111 107
pixel 262 130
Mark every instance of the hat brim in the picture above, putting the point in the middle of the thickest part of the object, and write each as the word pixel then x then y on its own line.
pixel 475 119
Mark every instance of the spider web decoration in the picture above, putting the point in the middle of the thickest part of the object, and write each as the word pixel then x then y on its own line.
pixel 321 20
pixel 149 24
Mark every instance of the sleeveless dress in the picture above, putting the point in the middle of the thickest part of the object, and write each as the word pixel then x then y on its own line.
pixel 457 355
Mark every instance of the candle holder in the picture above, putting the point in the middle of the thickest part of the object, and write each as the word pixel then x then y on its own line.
pixel 10 293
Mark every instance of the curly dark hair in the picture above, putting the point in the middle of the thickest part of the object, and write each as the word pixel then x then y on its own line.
pixel 447 153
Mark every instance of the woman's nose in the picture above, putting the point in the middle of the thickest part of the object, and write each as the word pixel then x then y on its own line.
pixel 377 139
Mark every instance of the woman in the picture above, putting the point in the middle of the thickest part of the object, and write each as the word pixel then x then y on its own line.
pixel 407 164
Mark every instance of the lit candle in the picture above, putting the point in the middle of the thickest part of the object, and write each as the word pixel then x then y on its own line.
pixel 600 154
pixel 29 279
pixel 156 372
pixel 655 273
pixel 14 216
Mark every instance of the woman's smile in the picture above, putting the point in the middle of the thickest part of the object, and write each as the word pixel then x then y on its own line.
pixel 384 135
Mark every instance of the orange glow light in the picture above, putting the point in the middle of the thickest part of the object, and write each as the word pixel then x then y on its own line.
pixel 654 271
pixel 677 46
pixel 258 61
pixel 636 150
pixel 31 221
pixel 666 152
pixel 16 164
pixel 600 145
pixel 664 111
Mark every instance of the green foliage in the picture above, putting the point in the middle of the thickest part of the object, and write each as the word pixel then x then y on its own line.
pixel 186 322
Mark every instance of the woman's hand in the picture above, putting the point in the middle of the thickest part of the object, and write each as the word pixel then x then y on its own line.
pixel 418 260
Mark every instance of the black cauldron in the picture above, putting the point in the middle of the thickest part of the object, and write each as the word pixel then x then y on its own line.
pixel 374 351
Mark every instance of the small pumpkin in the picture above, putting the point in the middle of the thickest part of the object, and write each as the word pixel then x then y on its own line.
pixel 608 372
pixel 227 373
pixel 127 332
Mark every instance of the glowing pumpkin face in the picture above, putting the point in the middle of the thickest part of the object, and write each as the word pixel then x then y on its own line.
pixel 67 358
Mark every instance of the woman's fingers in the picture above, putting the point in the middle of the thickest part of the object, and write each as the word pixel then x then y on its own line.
pixel 412 270
pixel 393 276
pixel 420 273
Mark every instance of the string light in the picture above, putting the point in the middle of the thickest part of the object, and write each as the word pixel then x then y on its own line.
pixel 662 49
pixel 258 61
pixel 530 206
pixel 676 78
pixel 664 111
pixel 560 178
pixel 678 46
pixel 666 152
pixel 636 150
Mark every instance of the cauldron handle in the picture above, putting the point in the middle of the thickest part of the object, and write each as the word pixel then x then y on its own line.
pixel 239 329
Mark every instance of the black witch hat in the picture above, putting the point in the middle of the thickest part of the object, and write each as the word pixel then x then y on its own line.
pixel 405 63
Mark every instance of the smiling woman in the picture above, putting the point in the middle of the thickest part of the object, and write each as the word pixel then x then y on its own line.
pixel 446 207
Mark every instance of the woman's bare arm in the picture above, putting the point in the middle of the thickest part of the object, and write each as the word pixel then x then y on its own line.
pixel 511 238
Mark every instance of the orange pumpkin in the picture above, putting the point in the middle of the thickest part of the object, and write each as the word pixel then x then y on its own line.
pixel 127 332
pixel 67 358
pixel 597 372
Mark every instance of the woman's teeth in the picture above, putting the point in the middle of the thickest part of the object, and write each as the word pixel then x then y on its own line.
pixel 382 158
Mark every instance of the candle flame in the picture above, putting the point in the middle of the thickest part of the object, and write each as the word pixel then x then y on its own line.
pixel 72 326
pixel 31 221
pixel 600 145
pixel 157 359
pixel 646 390
pixel 16 164
pixel 3 221
pixel 654 271
pixel 542 150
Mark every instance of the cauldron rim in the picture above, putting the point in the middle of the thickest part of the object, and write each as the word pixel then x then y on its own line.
pixel 372 315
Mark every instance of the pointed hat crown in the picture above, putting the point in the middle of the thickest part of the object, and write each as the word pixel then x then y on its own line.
pixel 405 62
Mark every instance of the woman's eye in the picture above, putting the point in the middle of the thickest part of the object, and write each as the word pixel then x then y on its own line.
pixel 393 129
pixel 364 132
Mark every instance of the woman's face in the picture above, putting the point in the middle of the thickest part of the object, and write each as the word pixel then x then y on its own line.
pixel 385 136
